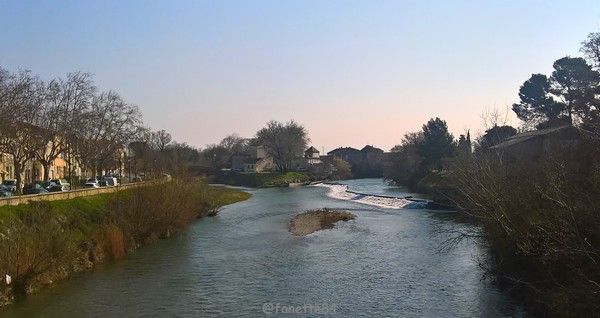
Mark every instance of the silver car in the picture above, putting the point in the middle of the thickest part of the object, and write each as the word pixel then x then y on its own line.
pixel 10 184
pixel 5 192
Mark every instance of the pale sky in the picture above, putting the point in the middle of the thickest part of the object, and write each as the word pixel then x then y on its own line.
pixel 352 72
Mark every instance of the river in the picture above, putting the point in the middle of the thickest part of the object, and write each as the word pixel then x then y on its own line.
pixel 245 263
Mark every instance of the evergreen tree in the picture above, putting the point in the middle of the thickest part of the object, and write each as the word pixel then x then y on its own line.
pixel 567 97
pixel 437 142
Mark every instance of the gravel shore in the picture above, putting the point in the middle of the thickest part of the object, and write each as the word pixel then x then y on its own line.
pixel 312 221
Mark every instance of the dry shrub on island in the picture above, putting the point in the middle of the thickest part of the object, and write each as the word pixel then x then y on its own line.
pixel 316 220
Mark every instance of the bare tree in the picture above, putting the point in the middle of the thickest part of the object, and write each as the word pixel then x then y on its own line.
pixel 216 156
pixel 110 125
pixel 234 143
pixel 161 140
pixel 40 121
pixel 22 96
pixel 283 142
pixel 493 116
pixel 60 117
pixel 591 49
pixel 153 155
pixel 179 156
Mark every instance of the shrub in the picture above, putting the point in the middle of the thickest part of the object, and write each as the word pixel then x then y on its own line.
pixel 43 241
pixel 541 224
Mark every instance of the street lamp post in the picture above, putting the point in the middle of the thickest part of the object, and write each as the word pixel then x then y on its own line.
pixel 128 159
pixel 129 164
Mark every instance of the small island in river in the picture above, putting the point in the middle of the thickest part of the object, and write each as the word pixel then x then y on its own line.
pixel 312 221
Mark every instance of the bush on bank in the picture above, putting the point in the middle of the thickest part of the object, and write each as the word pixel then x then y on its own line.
pixel 44 241
pixel 541 224
pixel 264 180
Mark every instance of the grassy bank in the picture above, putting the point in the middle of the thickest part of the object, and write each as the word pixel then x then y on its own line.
pixel 45 241
pixel 264 180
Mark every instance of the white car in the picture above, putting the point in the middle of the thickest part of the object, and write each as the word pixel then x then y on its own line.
pixel 91 185
pixel 109 182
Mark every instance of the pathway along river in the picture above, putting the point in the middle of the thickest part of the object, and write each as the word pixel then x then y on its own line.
pixel 384 264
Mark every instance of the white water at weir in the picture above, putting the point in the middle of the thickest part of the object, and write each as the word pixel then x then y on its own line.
pixel 340 192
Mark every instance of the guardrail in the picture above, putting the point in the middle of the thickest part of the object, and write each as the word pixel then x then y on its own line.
pixel 71 194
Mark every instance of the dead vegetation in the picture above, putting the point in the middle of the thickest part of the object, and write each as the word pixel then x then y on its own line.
pixel 540 221
pixel 45 241
pixel 312 221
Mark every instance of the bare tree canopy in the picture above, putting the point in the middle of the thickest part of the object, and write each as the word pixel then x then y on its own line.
pixel 110 124
pixel 21 97
pixel 591 49
pixel 283 142
pixel 42 120
pixel 160 140
pixel 234 143
pixel 60 118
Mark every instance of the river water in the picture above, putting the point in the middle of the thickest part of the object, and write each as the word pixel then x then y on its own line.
pixel 245 263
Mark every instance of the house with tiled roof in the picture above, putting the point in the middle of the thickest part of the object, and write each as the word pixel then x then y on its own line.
pixel 530 146
pixel 255 161
pixel 348 154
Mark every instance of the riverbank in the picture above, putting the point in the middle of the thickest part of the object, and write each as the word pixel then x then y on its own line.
pixel 539 221
pixel 312 221
pixel 266 180
pixel 43 242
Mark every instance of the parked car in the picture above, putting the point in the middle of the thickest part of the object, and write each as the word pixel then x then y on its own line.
pixel 45 184
pixel 93 180
pixel 34 189
pixel 92 185
pixel 137 179
pixel 5 192
pixel 58 188
pixel 110 181
pixel 62 182
pixel 10 184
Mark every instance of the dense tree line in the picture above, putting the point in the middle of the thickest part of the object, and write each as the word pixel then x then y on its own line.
pixel 155 153
pixel 422 153
pixel 219 155
pixel 284 142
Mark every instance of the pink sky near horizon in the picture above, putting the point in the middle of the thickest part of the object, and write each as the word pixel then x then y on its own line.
pixel 352 72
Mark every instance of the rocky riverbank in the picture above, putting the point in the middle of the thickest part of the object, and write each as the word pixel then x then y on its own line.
pixel 312 221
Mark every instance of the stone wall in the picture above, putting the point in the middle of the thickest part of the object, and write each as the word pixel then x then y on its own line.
pixel 52 196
